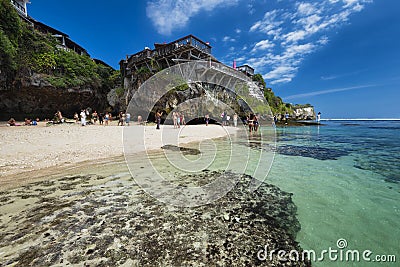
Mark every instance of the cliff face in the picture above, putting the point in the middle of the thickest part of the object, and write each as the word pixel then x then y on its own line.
pixel 33 96
pixel 38 76
pixel 304 113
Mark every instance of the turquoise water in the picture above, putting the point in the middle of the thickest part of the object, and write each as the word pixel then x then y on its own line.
pixel 345 178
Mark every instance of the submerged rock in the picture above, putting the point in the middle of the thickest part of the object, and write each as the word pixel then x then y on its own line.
pixel 315 152
pixel 184 150
pixel 111 225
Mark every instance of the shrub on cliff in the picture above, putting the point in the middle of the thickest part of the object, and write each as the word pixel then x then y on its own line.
pixel 275 102
pixel 24 50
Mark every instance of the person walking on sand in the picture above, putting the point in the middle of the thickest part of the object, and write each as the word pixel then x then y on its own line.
pixel 175 119
pixel 127 118
pixel 235 119
pixel 83 117
pixel 158 119
pixel 178 119
pixel 95 116
pixel 183 122
pixel 106 118
pixel 207 117
pixel 101 117
pixel 120 119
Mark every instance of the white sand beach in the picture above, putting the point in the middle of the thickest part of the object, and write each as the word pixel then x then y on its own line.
pixel 28 150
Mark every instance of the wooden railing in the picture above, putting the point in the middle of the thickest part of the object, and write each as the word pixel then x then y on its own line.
pixel 167 49
pixel 18 6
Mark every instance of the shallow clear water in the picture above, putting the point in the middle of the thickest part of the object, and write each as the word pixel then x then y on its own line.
pixel 345 179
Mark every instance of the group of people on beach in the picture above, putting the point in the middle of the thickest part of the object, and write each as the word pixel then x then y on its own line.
pixel 252 122
pixel 27 122
pixel 179 119
pixel 85 117
pixel 225 117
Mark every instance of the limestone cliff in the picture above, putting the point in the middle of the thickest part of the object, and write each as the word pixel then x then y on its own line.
pixel 34 97
pixel 38 75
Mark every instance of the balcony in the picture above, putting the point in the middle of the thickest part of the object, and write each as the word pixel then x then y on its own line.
pixel 165 50
pixel 20 8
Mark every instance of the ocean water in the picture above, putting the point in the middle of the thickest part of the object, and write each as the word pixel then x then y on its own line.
pixel 344 177
pixel 345 180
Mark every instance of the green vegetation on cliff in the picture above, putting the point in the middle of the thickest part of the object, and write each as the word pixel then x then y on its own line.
pixel 275 102
pixel 24 50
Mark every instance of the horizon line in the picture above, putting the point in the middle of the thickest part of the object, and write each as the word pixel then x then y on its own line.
pixel 361 119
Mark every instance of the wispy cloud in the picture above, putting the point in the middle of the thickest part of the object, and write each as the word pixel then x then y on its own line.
pixel 226 39
pixel 262 45
pixel 295 32
pixel 168 15
pixel 341 75
pixel 329 91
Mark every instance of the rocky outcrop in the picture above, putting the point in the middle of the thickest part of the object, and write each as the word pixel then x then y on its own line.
pixel 33 96
pixel 108 221
pixel 304 113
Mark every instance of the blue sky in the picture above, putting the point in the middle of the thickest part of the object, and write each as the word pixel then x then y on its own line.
pixel 342 56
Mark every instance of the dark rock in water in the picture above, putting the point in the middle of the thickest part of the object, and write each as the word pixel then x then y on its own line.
pixel 110 226
pixel 184 150
pixel 315 152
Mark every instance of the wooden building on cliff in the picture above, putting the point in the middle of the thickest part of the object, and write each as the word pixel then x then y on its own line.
pixel 166 55
pixel 64 41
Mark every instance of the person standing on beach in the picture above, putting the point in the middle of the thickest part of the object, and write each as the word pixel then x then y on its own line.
pixel 175 119
pixel 83 117
pixel 128 118
pixel 286 118
pixel 319 117
pixel 95 116
pixel 235 119
pixel 106 118
pixel 223 116
pixel 120 119
pixel 207 119
pixel 183 122
pixel 255 123
pixel 178 119
pixel 158 119
pixel 101 118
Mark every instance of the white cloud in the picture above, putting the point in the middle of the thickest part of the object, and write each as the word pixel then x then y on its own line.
pixel 238 31
pixel 306 9
pixel 228 39
pixel 168 15
pixel 281 71
pixel 268 23
pixel 349 3
pixel 323 40
pixel 294 36
pixel 293 33
pixel 262 45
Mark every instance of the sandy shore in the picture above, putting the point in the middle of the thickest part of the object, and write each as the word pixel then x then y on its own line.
pixel 32 149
